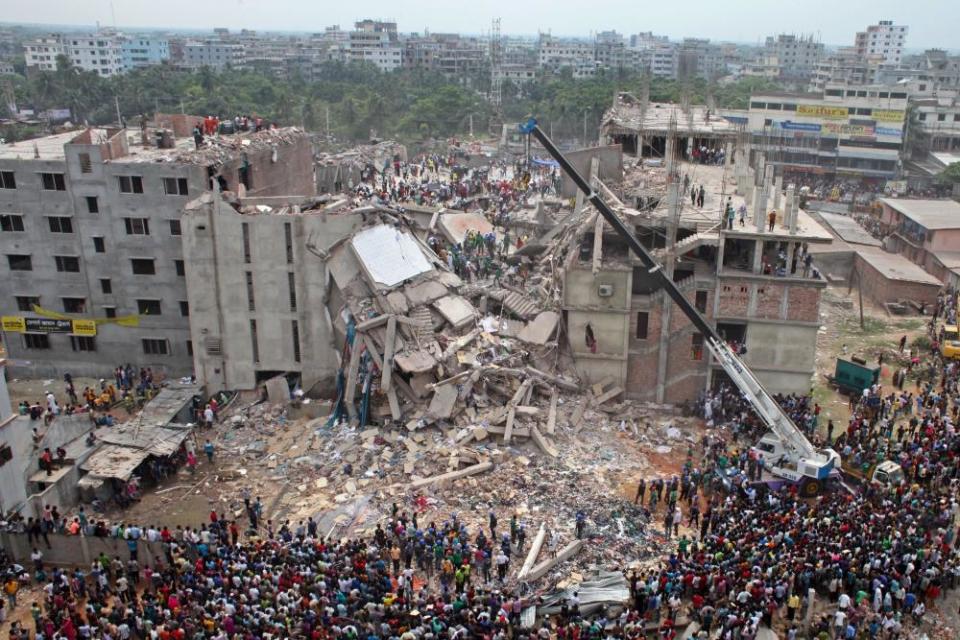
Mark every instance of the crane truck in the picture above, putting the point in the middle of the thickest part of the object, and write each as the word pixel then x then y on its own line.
pixel 787 452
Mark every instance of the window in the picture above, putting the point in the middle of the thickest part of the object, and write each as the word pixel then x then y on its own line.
pixel 253 341
pixel 143 266
pixel 181 268
pixel 251 304
pixel 106 286
pixel 52 182
pixel 245 228
pixel 36 341
pixel 137 226
pixel 86 166
pixel 155 346
pixel 941 117
pixel 6 454
pixel 701 301
pixel 98 244
pixel 60 224
pixel 130 184
pixel 148 307
pixel 696 346
pixel 110 312
pixel 295 331
pixel 190 348
pixel 19 262
pixel 175 186
pixel 93 205
pixel 175 228
pixel 184 308
pixel 74 305
pixel 7 180
pixel 643 325
pixel 292 285
pixel 68 264
pixel 288 236
pixel 11 222
pixel 83 343
pixel 25 303
pixel 922 116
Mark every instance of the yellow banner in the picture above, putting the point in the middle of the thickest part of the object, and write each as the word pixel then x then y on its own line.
pixel 84 328
pixel 822 111
pixel 887 116
pixel 837 128
pixel 14 324
pixel 132 320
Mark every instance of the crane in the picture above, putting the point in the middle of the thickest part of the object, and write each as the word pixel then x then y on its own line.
pixel 788 453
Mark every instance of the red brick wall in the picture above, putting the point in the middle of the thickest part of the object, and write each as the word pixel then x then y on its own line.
pixel 734 299
pixel 881 289
pixel 803 304
pixel 290 175
pixel 769 300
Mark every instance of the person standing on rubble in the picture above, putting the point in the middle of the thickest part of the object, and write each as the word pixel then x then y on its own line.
pixel 641 491
pixel 700 196
pixel 667 523
pixel 493 525
pixel 581 521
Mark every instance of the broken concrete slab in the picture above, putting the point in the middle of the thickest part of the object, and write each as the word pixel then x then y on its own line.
pixel 609 395
pixel 452 475
pixel 564 554
pixel 456 310
pixel 454 226
pixel 415 361
pixel 278 390
pixel 443 402
pixel 423 293
pixel 544 444
pixel 540 329
pixel 533 553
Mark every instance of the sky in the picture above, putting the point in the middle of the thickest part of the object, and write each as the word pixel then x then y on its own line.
pixel 933 23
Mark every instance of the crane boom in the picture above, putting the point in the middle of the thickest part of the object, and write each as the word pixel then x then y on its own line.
pixel 759 398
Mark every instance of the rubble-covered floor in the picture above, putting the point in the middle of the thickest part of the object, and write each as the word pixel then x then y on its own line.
pixel 348 478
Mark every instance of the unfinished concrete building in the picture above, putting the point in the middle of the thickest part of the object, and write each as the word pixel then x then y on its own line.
pixel 749 280
pixel 642 127
pixel 91 233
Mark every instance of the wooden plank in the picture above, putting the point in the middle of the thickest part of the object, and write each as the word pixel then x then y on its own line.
pixel 552 416
pixel 518 432
pixel 388 347
pixel 533 553
pixel 543 443
pixel 452 475
pixel 565 554
pixel 609 395
pixel 372 350
pixel 563 383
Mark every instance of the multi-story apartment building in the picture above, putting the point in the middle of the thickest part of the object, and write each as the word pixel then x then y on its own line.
pixel 610 50
pixel 884 41
pixel 106 53
pixel 90 234
pixel 855 131
pixel 41 53
pixel 699 58
pixel 212 53
pixel 554 54
pixel 844 66
pixel 797 56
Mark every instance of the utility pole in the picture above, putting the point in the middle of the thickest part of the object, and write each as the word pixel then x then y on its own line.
pixel 181 106
pixel 328 124
pixel 116 103
pixel 471 125
pixel 584 128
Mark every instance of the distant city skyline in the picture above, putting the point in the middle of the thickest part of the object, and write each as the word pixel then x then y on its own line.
pixel 932 22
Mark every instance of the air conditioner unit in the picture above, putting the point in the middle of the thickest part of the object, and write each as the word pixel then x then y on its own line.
pixel 605 290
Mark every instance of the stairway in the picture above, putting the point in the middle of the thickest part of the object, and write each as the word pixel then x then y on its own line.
pixel 519 305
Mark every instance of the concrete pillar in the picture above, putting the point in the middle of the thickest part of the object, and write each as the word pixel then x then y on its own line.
pixel 790 248
pixel 727 153
pixel 720 246
pixel 788 202
pixel 757 255
pixel 673 207
pixel 794 213
pixel 640 143
pixel 777 191
pixel 670 153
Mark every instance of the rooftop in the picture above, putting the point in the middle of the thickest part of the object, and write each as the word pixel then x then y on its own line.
pixel 895 267
pixel 628 113
pixel 929 214
pixel 848 229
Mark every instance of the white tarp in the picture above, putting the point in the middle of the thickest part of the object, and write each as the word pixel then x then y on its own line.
pixel 389 255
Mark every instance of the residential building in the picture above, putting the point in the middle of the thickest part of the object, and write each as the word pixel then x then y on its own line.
pixel 699 58
pixel 554 54
pixel 844 66
pixel 90 234
pixel 106 52
pixel 41 53
pixel 797 56
pixel 212 53
pixel 610 50
pixel 927 232
pixel 849 131
pixel 144 51
pixel 884 41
